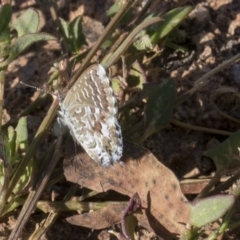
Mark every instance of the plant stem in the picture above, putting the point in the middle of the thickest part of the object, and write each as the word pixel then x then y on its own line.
pixel 201 129
pixel 210 185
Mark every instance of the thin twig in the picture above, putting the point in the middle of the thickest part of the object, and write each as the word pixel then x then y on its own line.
pixel 200 129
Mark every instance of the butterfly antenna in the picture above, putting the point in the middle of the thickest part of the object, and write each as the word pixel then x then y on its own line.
pixel 38 89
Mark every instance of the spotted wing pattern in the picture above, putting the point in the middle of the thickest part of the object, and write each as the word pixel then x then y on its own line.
pixel 89 111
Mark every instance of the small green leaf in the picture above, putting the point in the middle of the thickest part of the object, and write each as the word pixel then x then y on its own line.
pixel 65 28
pixel 25 179
pixel 10 207
pixel 159 106
pixel 66 35
pixel 5 169
pixel 210 209
pixel 226 154
pixel 108 43
pixel 114 9
pixel 4 149
pixel 12 141
pixel 130 223
pixel 77 36
pixel 116 86
pixel 5 17
pixel 22 134
pixel 143 43
pixel 22 43
pixel 4 41
pixel 171 19
pixel 73 34
pixel 28 22
pixel 22 143
pixel 136 76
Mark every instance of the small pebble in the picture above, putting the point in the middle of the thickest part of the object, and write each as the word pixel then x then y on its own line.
pixel 201 14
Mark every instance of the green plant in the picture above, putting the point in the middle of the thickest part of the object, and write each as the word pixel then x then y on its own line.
pixel 12 44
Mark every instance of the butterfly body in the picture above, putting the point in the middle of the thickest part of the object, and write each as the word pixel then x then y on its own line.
pixel 89 112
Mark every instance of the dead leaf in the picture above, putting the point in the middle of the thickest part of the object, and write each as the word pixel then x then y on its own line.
pixel 165 208
pixel 100 219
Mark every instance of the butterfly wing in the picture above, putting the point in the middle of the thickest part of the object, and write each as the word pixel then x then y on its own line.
pixel 89 111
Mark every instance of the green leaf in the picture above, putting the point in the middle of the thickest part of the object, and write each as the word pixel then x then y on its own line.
pixel 22 133
pixel 171 19
pixel 4 41
pixel 130 223
pixel 115 8
pixel 108 43
pixel 136 77
pixel 77 36
pixel 116 86
pixel 5 17
pixel 73 34
pixel 65 28
pixel 22 143
pixel 159 106
pixel 143 43
pixel 12 141
pixel 210 209
pixel 22 43
pixel 25 179
pixel 4 149
pixel 226 154
pixel 10 207
pixel 28 22
pixel 66 35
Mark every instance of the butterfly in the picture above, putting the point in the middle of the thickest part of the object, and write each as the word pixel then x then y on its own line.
pixel 89 111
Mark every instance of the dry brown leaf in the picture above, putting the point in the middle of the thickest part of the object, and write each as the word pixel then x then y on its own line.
pixel 166 211
pixel 100 219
